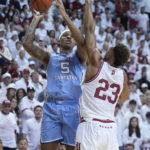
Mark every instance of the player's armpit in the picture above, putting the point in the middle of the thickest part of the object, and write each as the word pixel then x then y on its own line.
pixel 94 57
pixel 125 93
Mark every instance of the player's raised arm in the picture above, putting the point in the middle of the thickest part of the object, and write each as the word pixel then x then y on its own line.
pixel 76 33
pixel 125 93
pixel 89 27
pixel 28 39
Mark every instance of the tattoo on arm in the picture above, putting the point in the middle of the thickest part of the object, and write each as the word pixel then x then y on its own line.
pixel 29 36
pixel 32 49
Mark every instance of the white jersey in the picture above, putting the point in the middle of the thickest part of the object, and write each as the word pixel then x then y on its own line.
pixel 101 93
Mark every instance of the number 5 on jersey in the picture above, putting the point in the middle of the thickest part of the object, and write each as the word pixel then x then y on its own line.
pixel 65 67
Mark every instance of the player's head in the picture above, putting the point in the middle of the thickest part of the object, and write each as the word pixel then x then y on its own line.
pixel 118 54
pixel 67 42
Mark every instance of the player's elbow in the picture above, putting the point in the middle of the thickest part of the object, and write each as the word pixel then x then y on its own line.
pixel 27 45
pixel 124 97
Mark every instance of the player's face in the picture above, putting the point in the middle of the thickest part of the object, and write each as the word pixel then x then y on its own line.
pixel 67 40
pixel 108 55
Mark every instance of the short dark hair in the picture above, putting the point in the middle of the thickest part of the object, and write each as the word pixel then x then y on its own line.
pixel 38 106
pixel 121 54
pixel 132 102
pixel 130 144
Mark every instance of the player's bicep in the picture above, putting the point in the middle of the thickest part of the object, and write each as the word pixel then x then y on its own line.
pixel 125 93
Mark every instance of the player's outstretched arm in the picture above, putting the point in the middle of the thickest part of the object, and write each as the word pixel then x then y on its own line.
pixel 28 39
pixel 76 33
pixel 125 93
pixel 90 39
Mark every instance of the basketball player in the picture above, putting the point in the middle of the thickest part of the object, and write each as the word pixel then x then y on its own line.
pixel 105 83
pixel 65 70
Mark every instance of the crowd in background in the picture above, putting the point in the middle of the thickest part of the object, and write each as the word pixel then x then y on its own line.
pixel 23 80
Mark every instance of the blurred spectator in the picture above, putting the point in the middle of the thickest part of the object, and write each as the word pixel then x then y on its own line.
pixel 21 59
pixel 12 43
pixel 11 91
pixel 143 78
pixel 41 31
pixel 31 66
pixel 144 88
pixel 20 93
pixel 134 92
pixel 129 147
pixel 27 105
pixel 76 5
pixel 6 79
pixel 14 71
pixel 1 145
pixel 8 127
pixel 132 134
pixel 119 122
pixel 142 19
pixel 36 83
pixel 25 80
pixel 23 144
pixel 15 108
pixel 146 133
pixel 146 107
pixel 132 112
pixel 31 129
pixel 133 10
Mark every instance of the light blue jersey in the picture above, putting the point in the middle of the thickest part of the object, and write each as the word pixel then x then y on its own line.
pixel 65 73
pixel 61 110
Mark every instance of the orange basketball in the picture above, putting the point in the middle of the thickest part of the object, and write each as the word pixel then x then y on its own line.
pixel 40 5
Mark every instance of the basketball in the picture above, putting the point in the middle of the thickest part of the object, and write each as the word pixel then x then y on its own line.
pixel 40 5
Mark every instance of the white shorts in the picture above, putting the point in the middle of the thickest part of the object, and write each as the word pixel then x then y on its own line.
pixel 96 135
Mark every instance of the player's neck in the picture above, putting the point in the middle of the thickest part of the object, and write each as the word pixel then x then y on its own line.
pixel 110 62
pixel 65 51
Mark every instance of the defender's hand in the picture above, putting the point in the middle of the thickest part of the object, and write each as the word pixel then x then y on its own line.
pixel 37 15
pixel 88 1
pixel 59 4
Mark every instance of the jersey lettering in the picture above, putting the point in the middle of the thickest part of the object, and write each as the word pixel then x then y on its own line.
pixel 65 67
pixel 115 91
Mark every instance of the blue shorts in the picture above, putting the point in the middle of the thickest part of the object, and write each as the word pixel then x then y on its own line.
pixel 60 121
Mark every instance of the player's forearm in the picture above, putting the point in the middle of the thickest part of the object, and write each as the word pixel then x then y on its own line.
pixel 29 36
pixel 76 33
pixel 32 49
pixel 89 27
pixel 89 23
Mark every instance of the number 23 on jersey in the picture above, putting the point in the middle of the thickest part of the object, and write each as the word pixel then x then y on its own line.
pixel 114 88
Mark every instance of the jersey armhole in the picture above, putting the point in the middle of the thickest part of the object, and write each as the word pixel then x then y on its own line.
pixel 98 72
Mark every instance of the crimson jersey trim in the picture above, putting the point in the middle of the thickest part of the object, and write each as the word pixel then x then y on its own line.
pixel 96 75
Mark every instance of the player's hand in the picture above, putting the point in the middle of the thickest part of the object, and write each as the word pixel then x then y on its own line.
pixel 88 1
pixel 59 4
pixel 37 15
